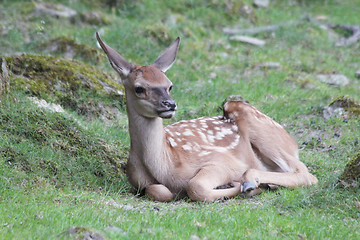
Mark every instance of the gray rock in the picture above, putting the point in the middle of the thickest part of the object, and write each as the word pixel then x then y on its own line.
pixel 268 65
pixel 249 40
pixel 333 79
pixel 115 229
pixel 4 76
pixel 82 233
pixel 332 111
pixel 261 3
pixel 55 10
pixel 357 74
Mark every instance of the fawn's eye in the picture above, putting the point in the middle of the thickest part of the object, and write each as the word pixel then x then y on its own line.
pixel 170 88
pixel 139 90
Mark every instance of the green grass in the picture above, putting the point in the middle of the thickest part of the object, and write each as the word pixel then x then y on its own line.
pixel 60 171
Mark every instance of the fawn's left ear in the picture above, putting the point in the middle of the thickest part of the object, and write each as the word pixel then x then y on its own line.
pixel 168 56
pixel 119 63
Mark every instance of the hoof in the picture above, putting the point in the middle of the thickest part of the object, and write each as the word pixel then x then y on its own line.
pixel 221 187
pixel 226 186
pixel 248 187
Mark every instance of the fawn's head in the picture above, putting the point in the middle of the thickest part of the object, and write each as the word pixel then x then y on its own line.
pixel 147 87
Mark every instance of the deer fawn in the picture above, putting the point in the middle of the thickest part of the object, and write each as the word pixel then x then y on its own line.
pixel 208 158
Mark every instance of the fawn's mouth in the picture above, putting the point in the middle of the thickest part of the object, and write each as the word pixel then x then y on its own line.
pixel 167 114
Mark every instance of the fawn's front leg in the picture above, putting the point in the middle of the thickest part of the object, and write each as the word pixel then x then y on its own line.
pixel 203 186
pixel 159 192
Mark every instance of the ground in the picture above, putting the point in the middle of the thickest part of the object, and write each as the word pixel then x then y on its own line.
pixel 61 171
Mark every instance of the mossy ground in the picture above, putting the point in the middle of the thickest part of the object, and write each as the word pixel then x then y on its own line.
pixel 351 173
pixel 39 144
pixel 68 82
pixel 57 171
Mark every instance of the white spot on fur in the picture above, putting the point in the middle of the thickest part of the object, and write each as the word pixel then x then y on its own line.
pixel 202 136
pixel 219 135
pixel 204 153
pixel 187 147
pixel 214 148
pixel 188 132
pixel 172 142
pixel 211 138
pixel 235 142
pixel 169 132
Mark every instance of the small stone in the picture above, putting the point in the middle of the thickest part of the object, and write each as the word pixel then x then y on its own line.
pixel 38 216
pixel 94 17
pixel 212 75
pixel 194 237
pixel 82 233
pixel 115 229
pixel 357 74
pixel 357 204
pixel 249 40
pixel 268 65
pixel 261 3
pixel 333 79
pixel 55 10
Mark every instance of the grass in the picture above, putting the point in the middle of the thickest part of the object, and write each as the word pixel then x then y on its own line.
pixel 60 171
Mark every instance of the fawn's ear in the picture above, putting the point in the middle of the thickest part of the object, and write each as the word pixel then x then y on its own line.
pixel 119 63
pixel 168 56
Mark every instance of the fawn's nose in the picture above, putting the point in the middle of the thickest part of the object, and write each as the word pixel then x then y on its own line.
pixel 170 104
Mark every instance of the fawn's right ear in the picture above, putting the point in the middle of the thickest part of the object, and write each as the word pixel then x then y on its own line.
pixel 119 63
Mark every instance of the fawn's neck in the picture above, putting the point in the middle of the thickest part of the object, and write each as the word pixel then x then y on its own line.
pixel 148 142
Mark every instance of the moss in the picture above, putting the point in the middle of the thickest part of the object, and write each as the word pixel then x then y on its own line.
pixel 68 82
pixel 236 8
pixel 68 47
pixel 94 18
pixel 81 233
pixel 352 170
pixel 53 147
pixel 347 103
pixel 160 32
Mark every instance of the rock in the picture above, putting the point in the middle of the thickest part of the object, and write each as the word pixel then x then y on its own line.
pixel 52 107
pixel 115 229
pixel 82 233
pixel 333 79
pixel 268 65
pixel 261 3
pixel 340 105
pixel 352 170
pixel 55 10
pixel 69 48
pixel 234 7
pixel 4 77
pixel 94 18
pixel 249 40
pixel 329 112
pixel 357 74
pixel 194 237
pixel 160 32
